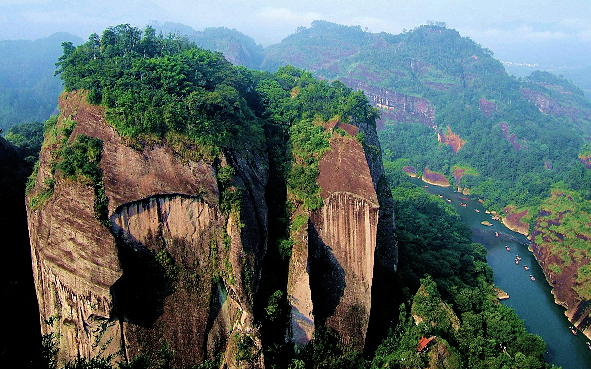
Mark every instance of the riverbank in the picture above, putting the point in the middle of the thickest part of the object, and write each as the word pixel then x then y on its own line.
pixel 532 300
pixel 576 311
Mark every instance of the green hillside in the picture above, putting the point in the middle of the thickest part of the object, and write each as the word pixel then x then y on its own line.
pixel 446 104
pixel 238 48
pixel 28 87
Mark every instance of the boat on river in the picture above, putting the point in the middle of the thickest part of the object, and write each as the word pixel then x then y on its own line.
pixel 507 248
pixel 516 262
pixel 573 330
pixel 532 277
pixel 525 267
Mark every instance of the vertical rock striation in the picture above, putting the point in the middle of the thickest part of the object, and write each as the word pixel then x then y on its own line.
pixel 332 265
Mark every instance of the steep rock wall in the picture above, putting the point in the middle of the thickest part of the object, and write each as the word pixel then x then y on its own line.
pixel 74 264
pixel 331 269
pixel 386 252
pixel 396 106
pixel 193 303
pixel 301 325
pixel 167 223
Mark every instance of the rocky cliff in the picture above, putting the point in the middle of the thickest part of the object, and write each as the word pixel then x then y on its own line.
pixel 562 254
pixel 396 106
pixel 338 250
pixel 170 267
pixel 175 258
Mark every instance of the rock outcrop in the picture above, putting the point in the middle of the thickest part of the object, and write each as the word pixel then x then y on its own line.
pixel 555 246
pixel 343 243
pixel 450 139
pixel 396 106
pixel 172 268
pixel 487 108
pixel 338 255
pixel 434 178
pixel 177 262
pixel 511 138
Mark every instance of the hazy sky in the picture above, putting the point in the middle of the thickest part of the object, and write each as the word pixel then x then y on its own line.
pixel 534 31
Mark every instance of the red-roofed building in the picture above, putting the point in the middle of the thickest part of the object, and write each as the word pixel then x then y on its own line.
pixel 424 342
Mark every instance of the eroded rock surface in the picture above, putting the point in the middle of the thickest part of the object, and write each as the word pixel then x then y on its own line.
pixel 172 269
pixel 337 251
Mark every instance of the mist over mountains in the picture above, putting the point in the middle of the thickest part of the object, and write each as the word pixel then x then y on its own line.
pixel 29 89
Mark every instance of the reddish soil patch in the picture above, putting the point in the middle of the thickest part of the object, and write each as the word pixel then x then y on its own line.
pixel 513 220
pixel 586 160
pixel 511 138
pixel 487 107
pixel 451 139
pixel 411 171
pixel 435 178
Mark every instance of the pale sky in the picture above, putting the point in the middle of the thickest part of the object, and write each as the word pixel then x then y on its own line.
pixel 535 31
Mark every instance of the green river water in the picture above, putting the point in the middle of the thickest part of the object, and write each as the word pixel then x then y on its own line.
pixel 532 300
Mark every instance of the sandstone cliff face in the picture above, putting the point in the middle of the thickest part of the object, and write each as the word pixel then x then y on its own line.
pixel 172 267
pixel 332 265
pixel 556 107
pixel 397 106
pixel 337 255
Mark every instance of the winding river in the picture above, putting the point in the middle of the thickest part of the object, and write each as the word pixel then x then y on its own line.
pixel 532 300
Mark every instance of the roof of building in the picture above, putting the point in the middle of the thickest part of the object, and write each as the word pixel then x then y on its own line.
pixel 424 342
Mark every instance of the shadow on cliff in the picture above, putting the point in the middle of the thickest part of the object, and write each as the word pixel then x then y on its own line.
pixel 140 293
pixel 327 277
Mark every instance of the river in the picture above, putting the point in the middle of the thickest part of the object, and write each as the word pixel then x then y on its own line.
pixel 532 300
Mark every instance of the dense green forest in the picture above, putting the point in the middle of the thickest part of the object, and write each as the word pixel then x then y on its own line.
pixel 457 76
pixel 28 87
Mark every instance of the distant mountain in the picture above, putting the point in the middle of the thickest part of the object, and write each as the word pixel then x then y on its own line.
pixel 581 78
pixel 447 106
pixel 238 48
pixel 28 87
